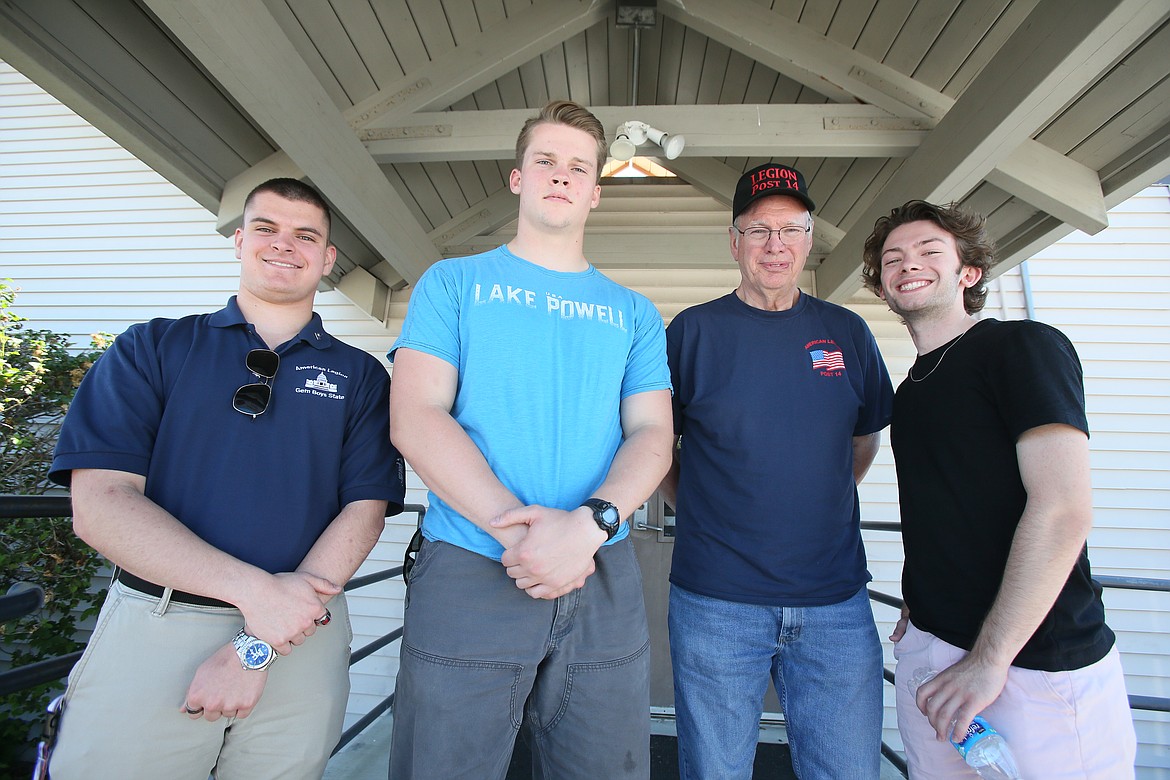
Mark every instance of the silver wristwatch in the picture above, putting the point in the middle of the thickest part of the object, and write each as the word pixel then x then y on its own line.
pixel 255 654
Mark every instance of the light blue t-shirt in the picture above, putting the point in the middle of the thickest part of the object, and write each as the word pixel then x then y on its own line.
pixel 545 359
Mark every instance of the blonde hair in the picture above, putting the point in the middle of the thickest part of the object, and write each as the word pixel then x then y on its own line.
pixel 570 114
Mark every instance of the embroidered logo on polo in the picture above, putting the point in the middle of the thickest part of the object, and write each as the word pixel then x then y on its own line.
pixel 826 357
pixel 321 382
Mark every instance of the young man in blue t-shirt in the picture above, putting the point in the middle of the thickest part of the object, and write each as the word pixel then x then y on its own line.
pixel 531 395
pixel 236 468
pixel 991 443
pixel 779 403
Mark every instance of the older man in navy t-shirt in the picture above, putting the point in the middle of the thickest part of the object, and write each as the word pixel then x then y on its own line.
pixel 779 401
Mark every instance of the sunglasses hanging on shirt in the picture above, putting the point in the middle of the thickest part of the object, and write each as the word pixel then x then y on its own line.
pixel 253 399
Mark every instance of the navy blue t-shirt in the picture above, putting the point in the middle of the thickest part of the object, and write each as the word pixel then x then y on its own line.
pixel 768 404
pixel 159 404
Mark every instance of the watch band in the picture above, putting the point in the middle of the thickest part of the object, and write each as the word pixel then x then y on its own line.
pixel 606 515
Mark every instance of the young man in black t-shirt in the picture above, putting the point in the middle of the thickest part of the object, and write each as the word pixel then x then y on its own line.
pixel 991 444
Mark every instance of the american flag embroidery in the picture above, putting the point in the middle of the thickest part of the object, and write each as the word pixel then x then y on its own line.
pixel 828 360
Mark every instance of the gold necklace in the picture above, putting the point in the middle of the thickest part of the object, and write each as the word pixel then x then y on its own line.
pixel 910 372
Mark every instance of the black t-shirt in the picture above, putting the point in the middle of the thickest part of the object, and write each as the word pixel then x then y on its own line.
pixel 954 436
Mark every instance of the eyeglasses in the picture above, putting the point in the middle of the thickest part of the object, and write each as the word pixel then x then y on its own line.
pixel 789 234
pixel 253 399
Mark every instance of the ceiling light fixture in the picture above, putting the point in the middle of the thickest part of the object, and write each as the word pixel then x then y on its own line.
pixel 632 134
pixel 636 14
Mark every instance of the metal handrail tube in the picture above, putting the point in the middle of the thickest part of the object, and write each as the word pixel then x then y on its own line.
pixel 1133 583
pixel 885 598
pixel 14 506
pixel 371 578
pixel 21 599
pixel 1153 703
pixel 363 723
pixel 895 758
pixel 45 671
pixel 374 646
pixel 880 525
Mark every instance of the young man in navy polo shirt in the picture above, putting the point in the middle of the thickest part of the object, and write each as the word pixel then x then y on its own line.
pixel 236 468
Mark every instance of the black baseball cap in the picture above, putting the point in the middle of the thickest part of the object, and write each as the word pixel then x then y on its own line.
pixel 769 179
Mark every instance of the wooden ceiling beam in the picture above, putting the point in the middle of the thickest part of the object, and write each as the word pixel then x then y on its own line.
pixel 1034 173
pixel 822 130
pixel 1121 180
pixel 484 217
pixel 807 57
pixel 1059 50
pixel 499 49
pixel 42 58
pixel 284 98
pixel 458 73
pixel 1047 179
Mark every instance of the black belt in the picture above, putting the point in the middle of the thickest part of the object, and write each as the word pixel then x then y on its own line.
pixel 150 589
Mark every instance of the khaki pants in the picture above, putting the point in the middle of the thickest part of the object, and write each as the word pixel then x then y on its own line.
pixel 122 714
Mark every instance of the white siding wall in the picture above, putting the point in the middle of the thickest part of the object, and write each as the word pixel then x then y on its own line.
pixel 1111 294
pixel 96 241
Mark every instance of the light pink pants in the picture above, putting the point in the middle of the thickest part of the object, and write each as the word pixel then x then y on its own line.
pixel 1074 724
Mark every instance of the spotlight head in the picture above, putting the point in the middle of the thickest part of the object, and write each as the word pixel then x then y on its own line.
pixel 626 140
pixel 622 148
pixel 672 145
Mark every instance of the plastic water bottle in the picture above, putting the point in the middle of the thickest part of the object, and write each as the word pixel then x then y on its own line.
pixel 981 747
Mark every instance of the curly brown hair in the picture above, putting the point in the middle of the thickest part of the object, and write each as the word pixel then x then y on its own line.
pixel 976 249
pixel 570 114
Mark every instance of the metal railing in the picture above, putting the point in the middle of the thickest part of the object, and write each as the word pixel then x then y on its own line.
pixel 1136 701
pixel 23 601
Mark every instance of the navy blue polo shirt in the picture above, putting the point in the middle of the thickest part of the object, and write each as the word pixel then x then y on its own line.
pixel 159 404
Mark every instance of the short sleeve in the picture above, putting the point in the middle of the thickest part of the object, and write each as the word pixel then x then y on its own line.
pixel 432 316
pixel 113 420
pixel 1040 380
pixel 646 367
pixel 674 337
pixel 877 391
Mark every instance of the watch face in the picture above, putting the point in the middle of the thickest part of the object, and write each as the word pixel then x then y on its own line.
pixel 256 654
pixel 606 515
pixel 610 515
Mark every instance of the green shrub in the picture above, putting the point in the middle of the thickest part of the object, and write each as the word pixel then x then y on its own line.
pixel 38 377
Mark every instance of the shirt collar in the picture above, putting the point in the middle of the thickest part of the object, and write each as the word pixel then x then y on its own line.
pixel 312 334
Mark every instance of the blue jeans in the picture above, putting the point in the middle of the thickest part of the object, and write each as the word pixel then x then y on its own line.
pixel 826 663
